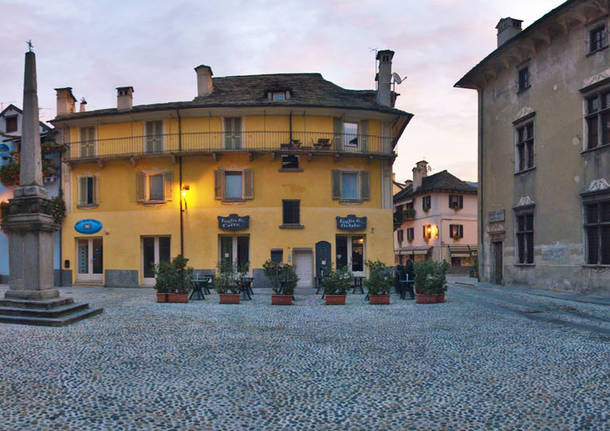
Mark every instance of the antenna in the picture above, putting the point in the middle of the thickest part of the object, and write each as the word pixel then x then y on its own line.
pixel 374 51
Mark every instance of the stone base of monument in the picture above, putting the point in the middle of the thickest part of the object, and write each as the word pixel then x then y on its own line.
pixel 48 312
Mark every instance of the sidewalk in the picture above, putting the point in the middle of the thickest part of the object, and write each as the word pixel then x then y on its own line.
pixel 568 296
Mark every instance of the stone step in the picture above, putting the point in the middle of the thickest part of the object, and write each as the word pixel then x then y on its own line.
pixel 52 321
pixel 44 304
pixel 43 312
pixel 84 284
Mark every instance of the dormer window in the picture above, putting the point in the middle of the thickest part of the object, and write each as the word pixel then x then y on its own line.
pixel 278 95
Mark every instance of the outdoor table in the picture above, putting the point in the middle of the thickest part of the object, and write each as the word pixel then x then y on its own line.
pixel 244 284
pixel 405 285
pixel 197 293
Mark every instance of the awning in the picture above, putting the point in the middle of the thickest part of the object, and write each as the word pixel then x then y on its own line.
pixel 412 251
pixel 462 250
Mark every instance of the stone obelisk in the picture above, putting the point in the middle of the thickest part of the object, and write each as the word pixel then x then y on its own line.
pixel 30 227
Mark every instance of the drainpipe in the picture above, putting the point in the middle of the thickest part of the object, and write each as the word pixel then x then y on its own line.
pixel 290 128
pixel 180 182
pixel 481 251
pixel 61 194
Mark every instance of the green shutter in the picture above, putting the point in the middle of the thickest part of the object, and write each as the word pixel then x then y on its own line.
pixel 248 184
pixel 338 129
pixel 336 184
pixel 82 190
pixel 365 186
pixel 218 179
pixel 168 182
pixel 140 187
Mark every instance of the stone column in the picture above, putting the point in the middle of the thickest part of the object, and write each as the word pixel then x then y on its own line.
pixel 29 223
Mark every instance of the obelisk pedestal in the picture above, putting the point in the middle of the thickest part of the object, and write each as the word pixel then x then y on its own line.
pixel 29 224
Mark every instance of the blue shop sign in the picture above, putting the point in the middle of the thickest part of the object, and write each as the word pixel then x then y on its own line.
pixel 4 149
pixel 88 226
pixel 351 223
pixel 233 222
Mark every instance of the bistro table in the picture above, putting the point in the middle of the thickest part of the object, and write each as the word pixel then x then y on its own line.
pixel 198 285
pixel 246 288
pixel 404 285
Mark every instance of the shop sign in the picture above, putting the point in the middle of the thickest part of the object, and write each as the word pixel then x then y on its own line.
pixel 233 222
pixel 351 222
pixel 88 226
pixel 495 216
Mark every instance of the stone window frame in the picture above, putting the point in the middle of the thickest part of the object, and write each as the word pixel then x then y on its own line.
pixel 6 123
pixel 294 224
pixel 95 192
pixel 594 198
pixel 524 78
pixel 597 115
pixel 247 184
pixel 522 124
pixel 143 186
pixel 410 234
pixel 400 236
pixel 590 29
pixel 426 203
pixel 456 231
pixel 524 211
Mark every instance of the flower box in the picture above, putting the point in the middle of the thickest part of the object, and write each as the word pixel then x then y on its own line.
pixel 179 298
pixel 161 297
pixel 428 298
pixel 229 298
pixel 335 299
pixel 379 299
pixel 281 299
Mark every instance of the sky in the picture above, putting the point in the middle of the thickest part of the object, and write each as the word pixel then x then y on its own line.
pixel 96 46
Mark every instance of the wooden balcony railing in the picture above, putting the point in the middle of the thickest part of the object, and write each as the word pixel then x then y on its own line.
pixel 213 142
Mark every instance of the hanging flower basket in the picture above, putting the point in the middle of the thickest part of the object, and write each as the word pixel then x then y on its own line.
pixel 9 175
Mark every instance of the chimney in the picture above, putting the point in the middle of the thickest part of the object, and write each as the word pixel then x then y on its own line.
pixel 419 172
pixel 65 101
pixel 124 98
pixel 507 29
pixel 83 105
pixel 204 80
pixel 384 77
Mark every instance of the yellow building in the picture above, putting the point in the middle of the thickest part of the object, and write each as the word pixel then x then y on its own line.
pixel 255 167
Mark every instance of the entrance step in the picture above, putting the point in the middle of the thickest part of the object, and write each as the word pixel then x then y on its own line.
pixel 81 284
pixel 51 321
pixel 44 304
pixel 54 312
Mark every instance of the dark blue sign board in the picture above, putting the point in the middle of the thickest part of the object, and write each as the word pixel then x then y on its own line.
pixel 351 223
pixel 88 226
pixel 233 222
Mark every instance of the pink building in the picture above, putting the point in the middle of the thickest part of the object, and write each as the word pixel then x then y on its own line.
pixel 435 217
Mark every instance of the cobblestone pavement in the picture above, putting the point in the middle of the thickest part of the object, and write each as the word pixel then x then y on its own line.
pixel 486 359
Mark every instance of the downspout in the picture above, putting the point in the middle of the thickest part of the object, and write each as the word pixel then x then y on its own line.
pixel 481 251
pixel 290 128
pixel 61 194
pixel 180 181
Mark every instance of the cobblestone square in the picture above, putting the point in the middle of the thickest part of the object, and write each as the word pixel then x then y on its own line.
pixel 485 359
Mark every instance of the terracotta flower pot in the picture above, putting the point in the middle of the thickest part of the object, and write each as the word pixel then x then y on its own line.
pixel 281 299
pixel 181 298
pixel 379 299
pixel 428 298
pixel 161 297
pixel 229 298
pixel 335 299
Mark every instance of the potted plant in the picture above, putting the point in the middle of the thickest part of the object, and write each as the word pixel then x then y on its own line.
pixel 430 281
pixel 227 284
pixel 283 278
pixel 335 284
pixel 409 213
pixel 379 282
pixel 173 280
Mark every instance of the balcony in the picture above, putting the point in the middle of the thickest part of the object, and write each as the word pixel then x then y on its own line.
pixel 199 143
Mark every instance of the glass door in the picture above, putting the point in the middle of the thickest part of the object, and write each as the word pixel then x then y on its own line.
pixel 155 249
pixel 233 133
pixel 350 254
pixel 235 251
pixel 90 263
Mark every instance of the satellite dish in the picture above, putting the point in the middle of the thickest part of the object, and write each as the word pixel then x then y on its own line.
pixel 397 78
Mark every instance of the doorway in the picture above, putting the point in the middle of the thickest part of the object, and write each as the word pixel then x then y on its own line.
pixel 234 251
pixel 89 252
pixel 351 253
pixel 303 262
pixel 155 249
pixel 497 264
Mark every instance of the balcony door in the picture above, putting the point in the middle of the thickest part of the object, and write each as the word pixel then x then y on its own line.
pixel 90 265
pixel 87 142
pixel 232 133
pixel 155 249
pixel 154 137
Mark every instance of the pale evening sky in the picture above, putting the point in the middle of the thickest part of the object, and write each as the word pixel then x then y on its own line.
pixel 95 46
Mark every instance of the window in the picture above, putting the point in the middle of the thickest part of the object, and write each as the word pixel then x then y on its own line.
pixel 524 79
pixel 400 236
pixel 426 203
pixel 410 234
pixel 598 120
pixel 597 228
pixel 87 191
pixel 155 249
pixel 290 161
pixel 456 201
pixel 350 186
pixel 525 147
pixel 350 253
pixel 234 252
pixel 598 38
pixel 233 185
pixel 278 95
pixel 350 132
pixel 277 255
pixel 154 137
pixel 154 187
pixel 11 124
pixel 525 238
pixel 232 133
pixel 456 231
pixel 291 212
pixel 87 142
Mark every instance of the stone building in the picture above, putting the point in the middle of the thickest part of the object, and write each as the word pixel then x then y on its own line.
pixel 544 151
pixel 284 166
pixel 435 217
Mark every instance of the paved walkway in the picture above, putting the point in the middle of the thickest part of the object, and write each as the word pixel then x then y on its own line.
pixel 486 359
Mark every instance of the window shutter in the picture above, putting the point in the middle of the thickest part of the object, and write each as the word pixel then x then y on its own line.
pixel 82 190
pixel 140 187
pixel 95 190
pixel 218 179
pixel 365 187
pixel 461 199
pixel 364 132
pixel 168 182
pixel 336 184
pixel 424 231
pixel 338 129
pixel 461 231
pixel 248 184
